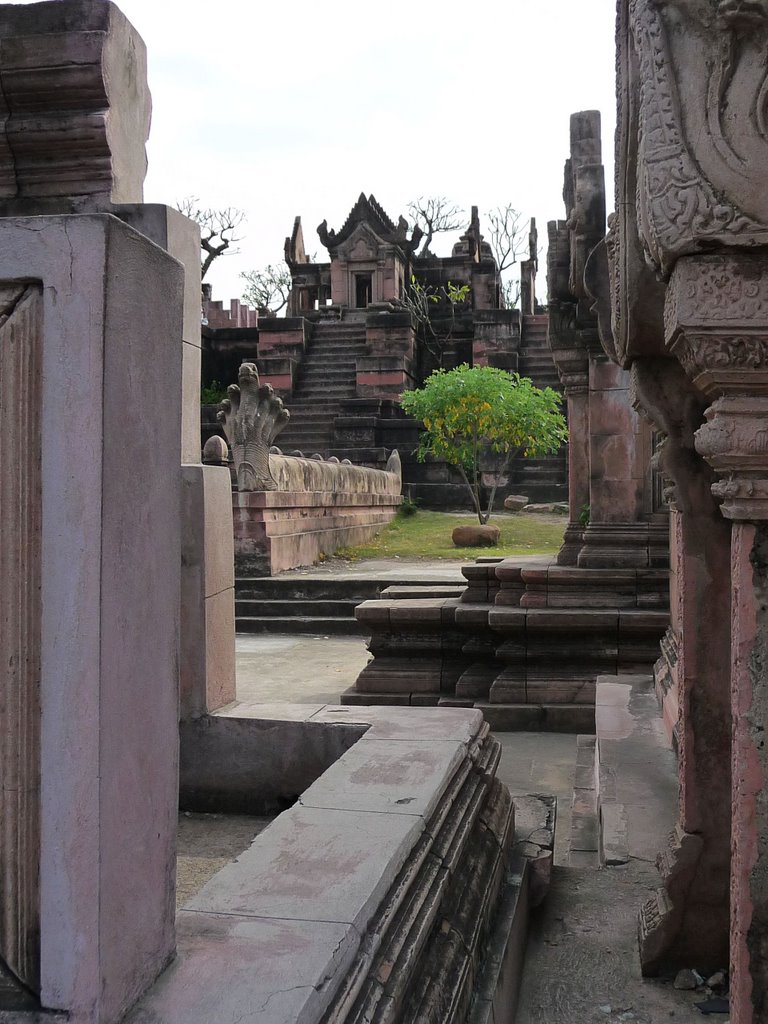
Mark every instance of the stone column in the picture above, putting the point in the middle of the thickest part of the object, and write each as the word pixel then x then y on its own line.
pixel 104 544
pixel 572 364
pixel 99 399
pixel 687 921
pixel 619 462
pixel 717 327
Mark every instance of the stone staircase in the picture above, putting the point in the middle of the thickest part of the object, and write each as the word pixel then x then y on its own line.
pixel 544 479
pixel 296 604
pixel 327 376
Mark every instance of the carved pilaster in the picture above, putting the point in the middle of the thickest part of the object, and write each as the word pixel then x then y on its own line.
pixel 20 628
pixel 695 669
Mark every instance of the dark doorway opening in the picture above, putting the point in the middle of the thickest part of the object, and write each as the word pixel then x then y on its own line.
pixel 363 290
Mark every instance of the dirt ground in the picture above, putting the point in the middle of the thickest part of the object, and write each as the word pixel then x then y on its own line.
pixel 206 842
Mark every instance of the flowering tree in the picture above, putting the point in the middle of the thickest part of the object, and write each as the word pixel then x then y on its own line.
pixel 468 411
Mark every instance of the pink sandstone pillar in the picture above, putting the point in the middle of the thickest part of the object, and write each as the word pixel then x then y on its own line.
pixel 619 459
pixel 687 921
pixel 717 327
pixel 749 910
pixel 572 364
pixel 108 556
pixel 100 342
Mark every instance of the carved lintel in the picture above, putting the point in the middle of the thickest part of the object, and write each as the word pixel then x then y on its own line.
pixel 252 417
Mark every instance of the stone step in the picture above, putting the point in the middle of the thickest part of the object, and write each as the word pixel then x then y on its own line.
pixel 584 839
pixel 301 586
pixel 319 626
pixel 318 608
pixel 334 369
pixel 636 770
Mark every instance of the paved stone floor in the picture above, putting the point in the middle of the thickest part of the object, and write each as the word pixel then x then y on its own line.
pixel 296 668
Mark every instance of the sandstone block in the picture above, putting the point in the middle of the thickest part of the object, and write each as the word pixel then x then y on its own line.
pixel 486 536
pixel 515 502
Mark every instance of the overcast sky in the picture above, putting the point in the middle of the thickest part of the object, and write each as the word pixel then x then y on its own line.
pixel 295 107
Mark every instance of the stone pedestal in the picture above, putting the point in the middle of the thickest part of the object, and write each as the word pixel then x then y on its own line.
pixel 95 592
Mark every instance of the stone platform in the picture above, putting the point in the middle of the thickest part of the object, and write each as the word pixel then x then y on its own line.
pixel 388 890
pixel 524 643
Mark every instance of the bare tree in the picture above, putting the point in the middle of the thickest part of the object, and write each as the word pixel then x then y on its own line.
pixel 217 230
pixel 508 238
pixel 509 241
pixel 510 292
pixel 435 214
pixel 265 287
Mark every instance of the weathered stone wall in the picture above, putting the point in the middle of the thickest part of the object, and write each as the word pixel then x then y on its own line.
pixel 318 506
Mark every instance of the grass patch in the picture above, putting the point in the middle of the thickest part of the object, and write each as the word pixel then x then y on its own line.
pixel 428 535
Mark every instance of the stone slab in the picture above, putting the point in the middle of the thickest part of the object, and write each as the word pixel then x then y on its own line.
pixel 231 968
pixel 407 777
pixel 274 711
pixel 398 724
pixel 315 865
pixel 220 649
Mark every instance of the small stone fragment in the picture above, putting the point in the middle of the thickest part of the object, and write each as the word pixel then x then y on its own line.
pixel 686 980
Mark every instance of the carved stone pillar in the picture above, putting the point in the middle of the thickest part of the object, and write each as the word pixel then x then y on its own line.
pixel 572 364
pixel 620 456
pixel 717 326
pixel 692 208
pixel 686 922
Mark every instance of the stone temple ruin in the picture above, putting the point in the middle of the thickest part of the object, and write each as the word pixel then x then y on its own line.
pixel 349 346
pixel 397 883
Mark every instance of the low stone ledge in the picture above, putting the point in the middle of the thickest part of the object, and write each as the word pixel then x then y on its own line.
pixel 374 895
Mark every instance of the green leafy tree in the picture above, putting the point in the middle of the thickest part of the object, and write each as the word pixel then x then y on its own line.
pixel 468 411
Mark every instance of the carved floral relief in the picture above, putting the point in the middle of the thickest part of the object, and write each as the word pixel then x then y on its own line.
pixel 703 124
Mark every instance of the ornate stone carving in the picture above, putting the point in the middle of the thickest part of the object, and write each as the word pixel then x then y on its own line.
pixel 716 323
pixel 252 417
pixel 661 916
pixel 703 110
pixel 368 211
pixel 637 296
pixel 21 312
